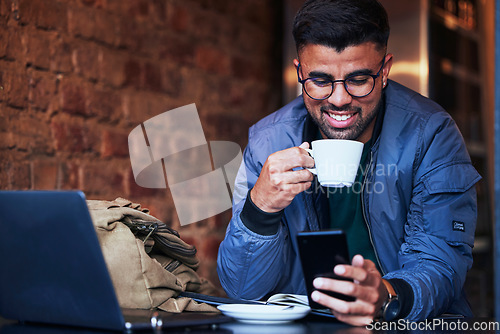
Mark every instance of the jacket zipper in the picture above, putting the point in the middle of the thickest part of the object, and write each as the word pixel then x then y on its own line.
pixel 364 213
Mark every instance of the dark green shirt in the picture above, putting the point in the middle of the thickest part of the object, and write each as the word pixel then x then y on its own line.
pixel 346 212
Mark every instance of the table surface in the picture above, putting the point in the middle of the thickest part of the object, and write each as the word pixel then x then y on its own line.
pixel 308 325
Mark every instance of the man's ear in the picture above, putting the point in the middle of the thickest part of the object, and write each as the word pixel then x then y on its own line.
pixel 296 63
pixel 387 66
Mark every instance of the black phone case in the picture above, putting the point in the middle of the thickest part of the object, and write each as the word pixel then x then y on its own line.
pixel 320 252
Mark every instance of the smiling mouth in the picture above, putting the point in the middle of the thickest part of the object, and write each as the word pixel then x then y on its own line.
pixel 340 118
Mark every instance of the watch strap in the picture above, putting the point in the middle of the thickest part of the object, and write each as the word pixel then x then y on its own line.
pixel 391 308
pixel 390 289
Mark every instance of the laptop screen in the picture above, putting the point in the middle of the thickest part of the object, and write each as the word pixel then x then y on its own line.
pixel 53 270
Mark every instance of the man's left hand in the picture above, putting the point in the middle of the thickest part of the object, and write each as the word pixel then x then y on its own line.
pixel 366 287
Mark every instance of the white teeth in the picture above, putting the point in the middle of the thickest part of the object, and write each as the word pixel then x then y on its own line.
pixel 340 117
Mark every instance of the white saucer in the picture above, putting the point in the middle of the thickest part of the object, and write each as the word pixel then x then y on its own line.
pixel 264 314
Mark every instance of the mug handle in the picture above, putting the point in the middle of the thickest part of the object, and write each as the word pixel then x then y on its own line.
pixel 312 170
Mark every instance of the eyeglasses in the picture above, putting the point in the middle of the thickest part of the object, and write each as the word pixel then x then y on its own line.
pixel 356 85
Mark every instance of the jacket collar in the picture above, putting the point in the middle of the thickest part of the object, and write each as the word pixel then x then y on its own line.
pixel 316 202
pixel 310 130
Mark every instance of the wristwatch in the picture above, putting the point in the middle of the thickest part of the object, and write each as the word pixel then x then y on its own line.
pixel 391 307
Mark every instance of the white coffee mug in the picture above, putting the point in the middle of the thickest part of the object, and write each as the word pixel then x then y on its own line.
pixel 336 161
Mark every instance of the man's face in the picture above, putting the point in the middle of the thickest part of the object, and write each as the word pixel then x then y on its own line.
pixel 342 116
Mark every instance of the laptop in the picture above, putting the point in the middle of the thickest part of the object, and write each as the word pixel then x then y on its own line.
pixel 52 269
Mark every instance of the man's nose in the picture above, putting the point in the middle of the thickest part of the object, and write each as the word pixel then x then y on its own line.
pixel 340 96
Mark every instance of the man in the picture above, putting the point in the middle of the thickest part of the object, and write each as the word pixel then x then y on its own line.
pixel 410 228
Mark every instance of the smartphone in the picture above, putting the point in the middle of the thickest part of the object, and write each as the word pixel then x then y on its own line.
pixel 320 252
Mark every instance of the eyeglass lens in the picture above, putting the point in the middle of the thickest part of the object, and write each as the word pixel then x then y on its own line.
pixel 357 86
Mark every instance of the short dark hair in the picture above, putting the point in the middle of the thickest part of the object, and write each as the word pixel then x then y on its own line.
pixel 341 23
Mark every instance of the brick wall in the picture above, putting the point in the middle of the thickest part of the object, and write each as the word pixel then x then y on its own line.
pixel 76 76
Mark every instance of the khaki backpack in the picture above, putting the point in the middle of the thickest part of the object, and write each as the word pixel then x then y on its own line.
pixel 148 262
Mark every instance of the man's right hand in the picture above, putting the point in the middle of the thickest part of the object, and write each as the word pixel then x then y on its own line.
pixel 278 183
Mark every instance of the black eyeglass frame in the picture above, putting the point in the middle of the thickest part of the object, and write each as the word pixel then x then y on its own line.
pixel 374 76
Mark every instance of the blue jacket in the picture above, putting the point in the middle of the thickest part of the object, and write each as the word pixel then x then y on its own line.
pixel 419 205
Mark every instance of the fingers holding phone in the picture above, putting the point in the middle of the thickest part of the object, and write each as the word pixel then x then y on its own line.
pixel 365 287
